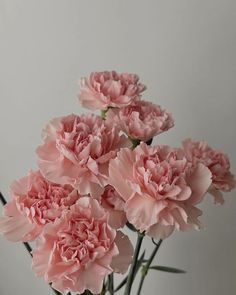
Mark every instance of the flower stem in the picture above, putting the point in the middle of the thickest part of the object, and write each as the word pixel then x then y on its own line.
pixel 146 267
pixel 55 291
pixel 103 290
pixel 111 283
pixel 3 200
pixel 134 262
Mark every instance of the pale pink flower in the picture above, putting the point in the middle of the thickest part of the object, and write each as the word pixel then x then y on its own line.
pixel 218 163
pixel 109 89
pixel 34 202
pixel 141 120
pixel 160 188
pixel 80 249
pixel 77 150
pixel 114 205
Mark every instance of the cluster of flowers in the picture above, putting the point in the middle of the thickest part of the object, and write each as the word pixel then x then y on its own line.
pixel 98 173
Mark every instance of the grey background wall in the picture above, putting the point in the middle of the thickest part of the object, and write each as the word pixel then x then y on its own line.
pixel 185 51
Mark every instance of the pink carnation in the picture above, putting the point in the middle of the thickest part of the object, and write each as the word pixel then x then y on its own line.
pixel 35 202
pixel 77 150
pixel 80 249
pixel 109 89
pixel 218 163
pixel 141 120
pixel 160 188
pixel 114 205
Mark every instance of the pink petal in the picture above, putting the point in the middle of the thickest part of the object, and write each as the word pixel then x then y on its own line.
pixel 120 171
pixel 159 231
pixel 199 181
pixel 142 211
pixel 121 262
pixel 217 195
pixel 15 228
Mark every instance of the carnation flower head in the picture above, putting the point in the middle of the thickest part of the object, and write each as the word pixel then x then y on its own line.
pixel 77 150
pixel 114 205
pixel 109 89
pixel 160 188
pixel 80 249
pixel 218 163
pixel 35 202
pixel 141 120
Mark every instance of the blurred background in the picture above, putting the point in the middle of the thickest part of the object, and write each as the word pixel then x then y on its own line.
pixel 184 51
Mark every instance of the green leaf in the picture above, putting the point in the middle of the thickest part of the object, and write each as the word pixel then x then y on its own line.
pixel 121 284
pixel 130 226
pixel 141 259
pixel 167 269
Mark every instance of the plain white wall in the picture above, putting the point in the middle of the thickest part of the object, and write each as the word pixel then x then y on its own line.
pixel 185 51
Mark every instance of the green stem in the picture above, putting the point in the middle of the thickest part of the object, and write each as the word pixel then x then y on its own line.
pixel 55 291
pixel 111 284
pixel 147 266
pixel 133 265
pixel 104 288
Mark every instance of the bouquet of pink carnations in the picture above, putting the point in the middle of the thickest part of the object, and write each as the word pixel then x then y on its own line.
pixel 98 174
